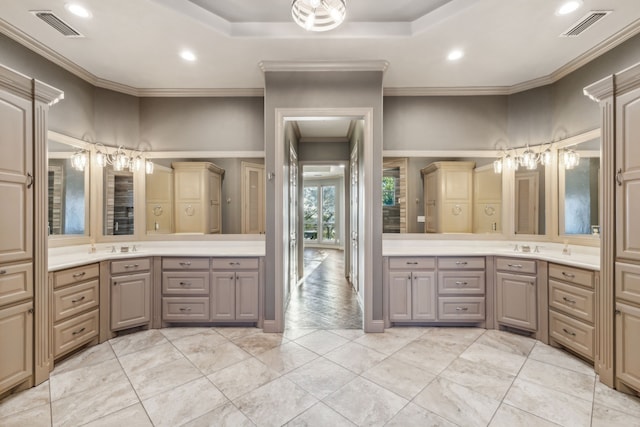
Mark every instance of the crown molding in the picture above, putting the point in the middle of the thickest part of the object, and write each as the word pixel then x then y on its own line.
pixel 15 82
pixel 446 91
pixel 323 66
pixel 202 92
pixel 600 90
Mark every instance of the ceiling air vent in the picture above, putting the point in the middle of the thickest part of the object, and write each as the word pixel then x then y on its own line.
pixel 57 23
pixel 585 22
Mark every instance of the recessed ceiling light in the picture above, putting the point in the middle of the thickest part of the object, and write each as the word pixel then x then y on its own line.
pixel 78 10
pixel 455 54
pixel 187 55
pixel 569 7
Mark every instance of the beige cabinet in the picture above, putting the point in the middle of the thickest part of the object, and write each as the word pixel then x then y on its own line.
pixel 516 303
pixel 411 287
pixel 487 201
pixel 197 192
pixel 159 200
pixel 16 344
pixel 448 197
pixel 130 293
pixel 235 285
pixel 253 199
pixel 628 344
pixel 461 289
pixel 185 290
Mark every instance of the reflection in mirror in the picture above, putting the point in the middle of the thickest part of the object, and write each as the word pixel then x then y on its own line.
pixel 579 190
pixel 529 201
pixel 67 208
pixel 118 202
pixel 394 196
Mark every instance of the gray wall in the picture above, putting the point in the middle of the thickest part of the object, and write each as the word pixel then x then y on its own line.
pixel 326 151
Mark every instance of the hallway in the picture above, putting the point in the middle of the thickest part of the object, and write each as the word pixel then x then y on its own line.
pixel 325 299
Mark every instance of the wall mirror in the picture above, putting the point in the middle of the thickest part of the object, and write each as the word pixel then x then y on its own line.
pixel 579 189
pixel 403 192
pixel 68 186
pixel 170 195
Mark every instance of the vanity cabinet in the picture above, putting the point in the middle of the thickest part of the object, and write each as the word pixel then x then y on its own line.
pixel 448 197
pixel 516 288
pixel 461 289
pixel 235 284
pixel 412 289
pixel 572 308
pixel 185 289
pixel 75 307
pixel 130 293
pixel 197 193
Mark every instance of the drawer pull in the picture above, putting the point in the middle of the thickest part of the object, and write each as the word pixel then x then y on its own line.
pixel 567 300
pixel 185 263
pixel 3 272
pixel 234 263
pixel 78 300
pixel 514 265
pixel 568 332
pixel 458 283
pixel 412 262
pixel 569 275
pixel 462 308
pixel 185 308
pixel 132 266
pixel 79 331
pixel 76 275
pixel 185 283
pixel 461 262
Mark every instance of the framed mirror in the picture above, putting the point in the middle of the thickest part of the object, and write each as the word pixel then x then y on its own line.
pixel 68 187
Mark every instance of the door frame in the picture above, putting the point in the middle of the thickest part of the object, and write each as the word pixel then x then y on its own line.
pixel 365 237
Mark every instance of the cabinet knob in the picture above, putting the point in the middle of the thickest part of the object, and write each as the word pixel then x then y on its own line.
pixel 619 177
pixel 30 311
pixel 617 312
pixel 3 272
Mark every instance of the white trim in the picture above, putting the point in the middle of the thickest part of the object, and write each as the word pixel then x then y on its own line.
pixel 204 154
pixel 364 65
pixel 442 153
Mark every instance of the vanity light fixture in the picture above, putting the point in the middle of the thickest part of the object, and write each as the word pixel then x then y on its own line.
pixel 79 160
pixel 318 15
pixel 570 158
pixel 122 159
pixel 529 159
pixel 148 167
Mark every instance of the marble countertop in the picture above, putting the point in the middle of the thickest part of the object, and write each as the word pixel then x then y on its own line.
pixel 72 256
pixel 580 256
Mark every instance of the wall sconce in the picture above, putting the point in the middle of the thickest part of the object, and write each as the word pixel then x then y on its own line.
pixel 570 158
pixel 529 159
pixel 120 159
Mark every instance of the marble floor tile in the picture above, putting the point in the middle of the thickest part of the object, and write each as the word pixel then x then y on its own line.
pixel 226 415
pixel 259 343
pixel 555 356
pixel 181 331
pixel 132 416
pixel 233 332
pixel 184 403
pixel 136 341
pixel 350 334
pixel 461 335
pixel 295 333
pixel 94 403
pixel 615 400
pixel 286 357
pixel 275 403
pixel 552 405
pixel 365 403
pixel 35 417
pixel 25 400
pixel 608 417
pixel 320 415
pixel 90 356
pixel 484 379
pixel 83 379
pixel 457 403
pixel 508 362
pixel 414 416
pixel 243 377
pixel 150 358
pixel 321 342
pixel 508 416
pixel 150 382
pixel 560 379
pixel 399 377
pixel 384 343
pixel 321 377
pixel 355 357
pixel 203 341
pixel 427 356
pixel 506 341
pixel 210 360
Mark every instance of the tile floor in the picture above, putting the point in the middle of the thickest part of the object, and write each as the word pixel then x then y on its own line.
pixel 309 377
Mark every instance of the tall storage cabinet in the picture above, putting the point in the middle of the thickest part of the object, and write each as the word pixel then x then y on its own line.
pixel 23 242
pixel 198 193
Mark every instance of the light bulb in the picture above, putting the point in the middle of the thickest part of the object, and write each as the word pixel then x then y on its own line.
pixel 148 167
pixel 497 166
pixel 545 157
pixel 310 21
pixel 101 159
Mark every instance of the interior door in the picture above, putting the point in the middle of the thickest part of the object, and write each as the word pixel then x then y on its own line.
pixel 253 215
pixel 353 215
pixel 293 218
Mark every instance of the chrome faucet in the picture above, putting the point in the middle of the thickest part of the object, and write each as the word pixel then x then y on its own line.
pixel 516 248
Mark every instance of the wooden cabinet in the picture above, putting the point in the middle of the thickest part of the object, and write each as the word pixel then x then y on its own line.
pixel 185 290
pixel 628 344
pixel 198 193
pixel 487 201
pixel 461 289
pixel 253 199
pixel 412 289
pixel 235 288
pixel 448 194
pixel 130 293
pixel 159 200
pixel 516 303
pixel 16 344
pixel 75 308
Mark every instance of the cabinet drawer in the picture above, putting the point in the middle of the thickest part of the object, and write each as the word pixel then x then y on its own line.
pixel 571 300
pixel 185 263
pixel 412 263
pixel 517 265
pixel 572 333
pixel 461 263
pixel 130 265
pixel 74 332
pixel 571 275
pixel 75 275
pixel 185 283
pixel 75 299
pixel 461 282
pixel 234 263
pixel 628 282
pixel 16 283
pixel 461 308
pixel 194 309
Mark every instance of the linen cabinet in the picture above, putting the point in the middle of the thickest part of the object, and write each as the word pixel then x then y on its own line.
pixel 197 197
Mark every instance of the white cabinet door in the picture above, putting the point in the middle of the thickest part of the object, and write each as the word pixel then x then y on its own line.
pixel 130 301
pixel 516 301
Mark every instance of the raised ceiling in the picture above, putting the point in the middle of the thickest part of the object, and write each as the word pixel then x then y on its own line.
pixel 133 45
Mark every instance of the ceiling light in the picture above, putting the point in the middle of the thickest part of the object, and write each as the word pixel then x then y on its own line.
pixel 569 7
pixel 78 10
pixel 187 55
pixel 318 15
pixel 454 55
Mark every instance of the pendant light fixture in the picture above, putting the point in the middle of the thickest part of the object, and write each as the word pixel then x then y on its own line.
pixel 318 15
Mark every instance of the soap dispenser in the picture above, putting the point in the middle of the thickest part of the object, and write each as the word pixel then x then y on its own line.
pixel 566 250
